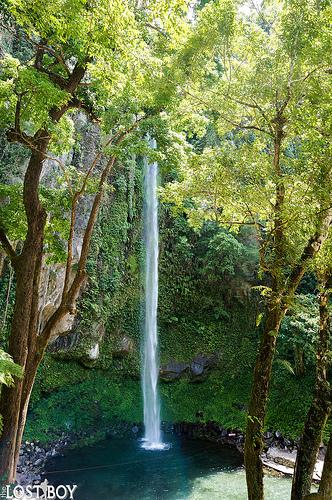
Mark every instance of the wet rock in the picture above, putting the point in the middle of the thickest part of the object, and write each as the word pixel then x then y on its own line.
pixel 201 365
pixel 173 370
pixel 123 346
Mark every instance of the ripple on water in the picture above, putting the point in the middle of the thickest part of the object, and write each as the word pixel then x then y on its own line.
pixel 232 486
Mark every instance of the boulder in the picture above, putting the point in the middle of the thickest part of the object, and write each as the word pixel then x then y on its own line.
pixel 197 369
pixel 93 352
pixel 123 346
pixel 173 370
pixel 201 364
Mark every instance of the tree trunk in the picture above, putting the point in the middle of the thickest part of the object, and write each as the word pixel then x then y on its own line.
pixel 24 329
pixel 10 447
pixel 258 401
pixel 320 407
pixel 325 487
pixel 29 378
pixel 299 360
pixel 11 397
pixel 24 344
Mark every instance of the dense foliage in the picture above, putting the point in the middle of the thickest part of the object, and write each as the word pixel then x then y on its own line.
pixel 237 97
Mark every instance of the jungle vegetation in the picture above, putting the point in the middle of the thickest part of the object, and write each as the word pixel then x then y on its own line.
pixel 237 96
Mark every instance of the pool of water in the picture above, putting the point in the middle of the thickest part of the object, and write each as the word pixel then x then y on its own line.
pixel 192 470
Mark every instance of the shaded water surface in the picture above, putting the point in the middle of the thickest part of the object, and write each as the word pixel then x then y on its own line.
pixel 122 469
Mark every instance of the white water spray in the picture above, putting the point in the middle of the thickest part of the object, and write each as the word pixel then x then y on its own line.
pixel 152 439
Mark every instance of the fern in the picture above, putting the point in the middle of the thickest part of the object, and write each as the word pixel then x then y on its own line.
pixel 286 364
pixel 8 369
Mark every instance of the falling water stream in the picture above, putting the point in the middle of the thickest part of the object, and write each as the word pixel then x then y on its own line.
pixel 152 439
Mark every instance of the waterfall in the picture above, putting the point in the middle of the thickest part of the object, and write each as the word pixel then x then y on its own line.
pixel 152 439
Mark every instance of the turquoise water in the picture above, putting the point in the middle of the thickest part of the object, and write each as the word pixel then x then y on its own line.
pixel 192 470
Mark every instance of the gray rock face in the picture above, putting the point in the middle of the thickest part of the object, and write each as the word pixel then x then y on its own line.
pixel 201 364
pixel 197 369
pixel 173 370
pixel 52 274
pixel 123 346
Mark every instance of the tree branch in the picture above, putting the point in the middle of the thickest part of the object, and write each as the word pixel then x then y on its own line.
pixel 6 245
pixel 17 136
pixel 253 105
pixel 58 57
pixel 311 249
pixel 228 120
pixel 77 103
pixel 70 294
pixel 17 115
pixel 76 198
pixel 54 77
pixel 156 28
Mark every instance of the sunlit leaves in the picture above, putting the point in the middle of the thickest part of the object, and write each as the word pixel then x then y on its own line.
pixel 62 134
pixel 9 67
pixel 269 63
pixel 57 203
pixel 126 48
pixel 8 369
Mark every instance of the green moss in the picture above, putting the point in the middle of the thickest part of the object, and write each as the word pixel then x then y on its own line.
pixel 91 404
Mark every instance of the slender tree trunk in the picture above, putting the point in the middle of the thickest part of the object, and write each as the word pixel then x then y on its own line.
pixel 24 325
pixel 258 401
pixel 275 312
pixel 29 378
pixel 11 397
pixel 11 439
pixel 320 407
pixel 325 487
pixel 299 360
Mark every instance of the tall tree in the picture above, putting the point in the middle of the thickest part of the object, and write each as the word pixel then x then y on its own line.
pixel 97 57
pixel 325 486
pixel 265 83
pixel 321 405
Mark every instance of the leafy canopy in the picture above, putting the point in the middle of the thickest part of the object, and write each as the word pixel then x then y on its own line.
pixel 125 47
pixel 264 76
